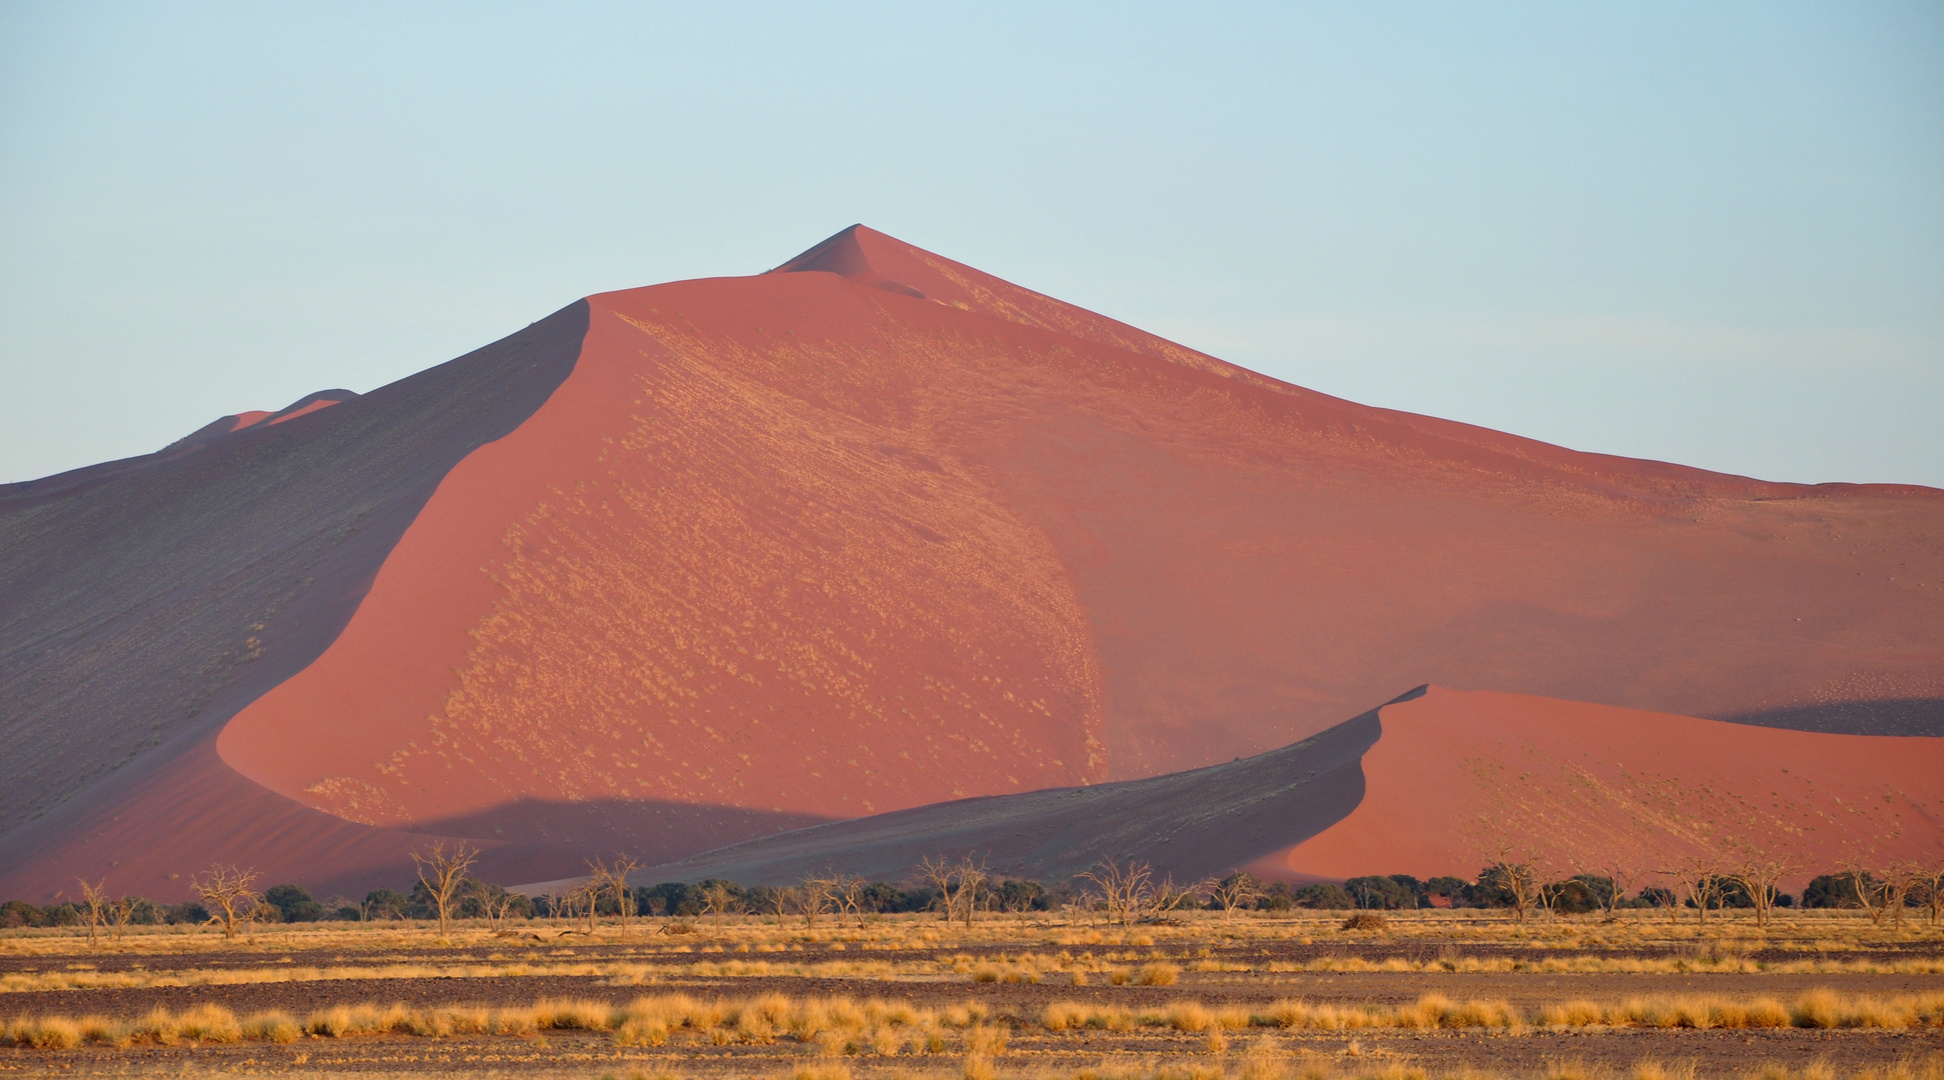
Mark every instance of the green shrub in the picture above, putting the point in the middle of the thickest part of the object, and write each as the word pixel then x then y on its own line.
pixel 1322 896
pixel 1832 891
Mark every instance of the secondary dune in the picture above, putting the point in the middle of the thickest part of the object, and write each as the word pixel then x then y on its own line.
pixel 1459 779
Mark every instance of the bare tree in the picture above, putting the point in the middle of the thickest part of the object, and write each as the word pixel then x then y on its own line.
pixel 495 903
pixel 587 903
pixel 226 889
pixel 1699 874
pixel 1127 889
pixel 567 905
pixel 499 907
pixel 813 897
pixel 1169 896
pixel 1236 890
pixel 938 872
pixel 849 893
pixel 1620 880
pixel 121 913
pixel 443 873
pixel 1665 897
pixel 1900 879
pixel 972 878
pixel 958 883
pixel 1760 873
pixel 1521 882
pixel 612 878
pixel 718 899
pixel 1870 891
pixel 1933 879
pixel 96 910
pixel 781 900
pixel 1548 893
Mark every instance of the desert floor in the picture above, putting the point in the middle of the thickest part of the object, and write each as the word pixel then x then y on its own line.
pixel 1200 995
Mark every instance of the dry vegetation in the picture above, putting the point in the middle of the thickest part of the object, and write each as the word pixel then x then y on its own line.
pixel 889 1028
pixel 1210 994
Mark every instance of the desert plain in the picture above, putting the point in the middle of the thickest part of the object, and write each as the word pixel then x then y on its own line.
pixel 1205 994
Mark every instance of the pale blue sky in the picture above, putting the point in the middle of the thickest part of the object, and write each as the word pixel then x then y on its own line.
pixel 1709 234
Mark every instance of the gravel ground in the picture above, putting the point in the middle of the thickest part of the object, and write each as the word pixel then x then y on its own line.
pixel 1213 987
pixel 257 954
pixel 1439 1053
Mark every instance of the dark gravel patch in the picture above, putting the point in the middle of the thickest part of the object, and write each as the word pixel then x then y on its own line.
pixel 1525 990
pixel 1714 1053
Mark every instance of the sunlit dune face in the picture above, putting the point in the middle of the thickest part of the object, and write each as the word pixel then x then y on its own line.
pixel 749 588
pixel 740 602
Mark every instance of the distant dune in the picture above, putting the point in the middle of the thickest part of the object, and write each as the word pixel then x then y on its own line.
pixel 688 565
pixel 1458 777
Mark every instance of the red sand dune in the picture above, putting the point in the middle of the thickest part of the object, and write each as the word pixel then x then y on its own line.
pixel 1459 777
pixel 876 530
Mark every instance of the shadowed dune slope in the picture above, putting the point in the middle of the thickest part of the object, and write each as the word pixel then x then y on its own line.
pixel 873 531
pixel 1459 777
pixel 1188 824
pixel 142 602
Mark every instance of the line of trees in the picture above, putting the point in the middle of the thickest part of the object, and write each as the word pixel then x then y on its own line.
pixel 957 888
pixel 1733 876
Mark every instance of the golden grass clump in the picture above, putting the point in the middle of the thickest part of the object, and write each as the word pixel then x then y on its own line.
pixel 821 1071
pixel 840 1026
pixel 273 1026
pixel 45 1033
pixel 1156 975
pixel 1653 1069
pixel 1815 1009
pixel 1438 1011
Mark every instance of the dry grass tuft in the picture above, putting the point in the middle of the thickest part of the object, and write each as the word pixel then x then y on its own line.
pixel 821 1071
pixel 841 1026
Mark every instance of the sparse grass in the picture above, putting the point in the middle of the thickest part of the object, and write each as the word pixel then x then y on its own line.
pixel 1258 1065
pixel 1261 1064
pixel 846 1026
pixel 1003 1038
pixel 1641 942
pixel 649 965
pixel 1807 932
